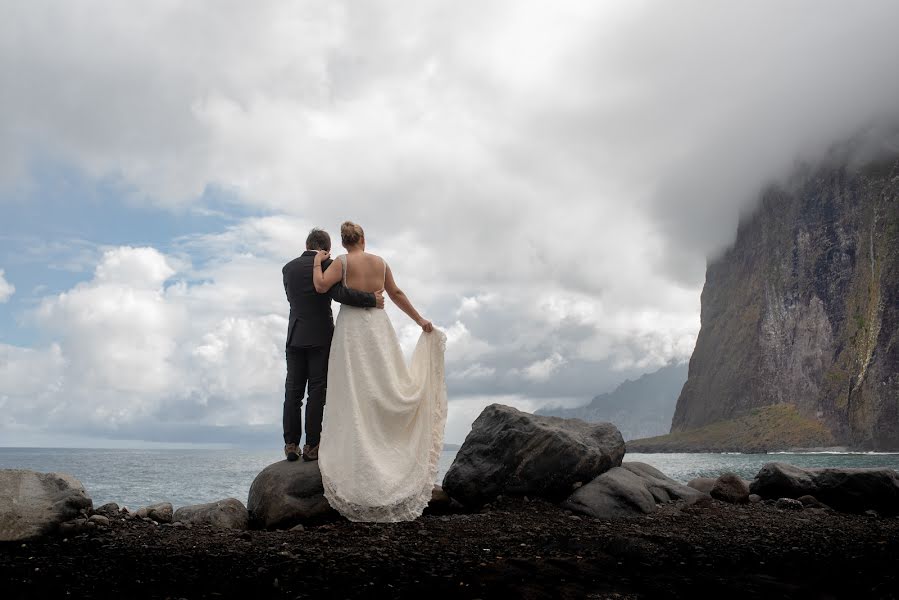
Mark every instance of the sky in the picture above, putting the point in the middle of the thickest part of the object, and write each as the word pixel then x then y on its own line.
pixel 546 180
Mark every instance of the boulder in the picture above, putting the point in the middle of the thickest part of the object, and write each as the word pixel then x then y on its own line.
pixel 730 488
pixel 441 503
pixel 703 484
pixel 288 493
pixel 33 504
pixel 847 490
pixel 161 512
pixel 110 509
pixel 629 490
pixel 788 504
pixel 517 453
pixel 811 502
pixel 224 514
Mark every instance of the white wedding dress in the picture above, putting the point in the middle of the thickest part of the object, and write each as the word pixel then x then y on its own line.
pixel 382 432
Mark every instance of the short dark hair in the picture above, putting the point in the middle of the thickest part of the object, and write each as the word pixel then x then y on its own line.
pixel 318 239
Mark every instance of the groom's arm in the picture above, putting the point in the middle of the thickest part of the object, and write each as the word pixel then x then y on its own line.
pixel 346 295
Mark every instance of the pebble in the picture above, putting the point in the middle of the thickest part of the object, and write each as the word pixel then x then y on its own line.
pixel 99 520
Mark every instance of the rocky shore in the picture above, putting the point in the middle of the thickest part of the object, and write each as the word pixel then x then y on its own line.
pixel 515 548
pixel 533 507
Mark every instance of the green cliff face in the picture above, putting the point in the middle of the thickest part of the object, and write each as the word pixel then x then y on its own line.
pixel 804 310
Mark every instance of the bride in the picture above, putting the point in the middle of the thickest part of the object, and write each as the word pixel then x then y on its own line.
pixel 382 432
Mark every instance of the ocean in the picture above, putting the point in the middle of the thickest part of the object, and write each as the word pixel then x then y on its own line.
pixel 135 478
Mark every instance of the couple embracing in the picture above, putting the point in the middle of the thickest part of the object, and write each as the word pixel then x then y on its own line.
pixel 379 436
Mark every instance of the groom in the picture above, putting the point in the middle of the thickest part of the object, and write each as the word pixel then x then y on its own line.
pixel 309 332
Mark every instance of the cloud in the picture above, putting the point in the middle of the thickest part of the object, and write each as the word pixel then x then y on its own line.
pixel 6 288
pixel 547 180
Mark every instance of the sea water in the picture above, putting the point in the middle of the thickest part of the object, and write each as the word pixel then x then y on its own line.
pixel 135 478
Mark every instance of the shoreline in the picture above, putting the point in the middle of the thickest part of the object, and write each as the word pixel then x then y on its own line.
pixel 513 548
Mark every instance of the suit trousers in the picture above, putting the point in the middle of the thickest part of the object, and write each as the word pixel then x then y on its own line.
pixel 305 367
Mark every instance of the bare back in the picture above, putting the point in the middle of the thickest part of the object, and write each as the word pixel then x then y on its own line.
pixel 363 271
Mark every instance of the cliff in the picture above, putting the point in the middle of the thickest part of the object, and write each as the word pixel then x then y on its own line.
pixel 804 310
pixel 640 408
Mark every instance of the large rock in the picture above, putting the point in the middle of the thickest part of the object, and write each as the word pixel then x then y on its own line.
pixel 730 488
pixel 287 493
pixel 702 484
pixel 512 452
pixel 629 490
pixel 847 490
pixel 225 514
pixel 34 504
pixel 161 512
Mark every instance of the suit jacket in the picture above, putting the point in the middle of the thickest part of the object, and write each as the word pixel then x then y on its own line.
pixel 311 321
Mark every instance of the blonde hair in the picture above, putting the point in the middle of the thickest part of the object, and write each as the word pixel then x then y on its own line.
pixel 351 233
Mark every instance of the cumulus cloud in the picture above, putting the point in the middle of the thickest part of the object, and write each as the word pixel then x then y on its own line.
pixel 6 288
pixel 547 180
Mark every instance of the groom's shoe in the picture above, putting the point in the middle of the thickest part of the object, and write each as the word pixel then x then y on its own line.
pixel 290 451
pixel 310 452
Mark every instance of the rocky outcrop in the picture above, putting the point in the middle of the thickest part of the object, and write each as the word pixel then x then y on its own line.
pixel 804 310
pixel 161 512
pixel 729 487
pixel 224 514
pixel 847 490
pixel 33 504
pixel 632 489
pixel 287 493
pixel 517 453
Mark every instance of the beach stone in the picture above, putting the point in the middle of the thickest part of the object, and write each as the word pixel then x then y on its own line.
pixel 288 493
pixel 161 512
pixel 811 502
pixel 516 453
pixel 730 488
pixel 99 520
pixel 703 484
pixel 788 504
pixel 110 509
pixel 629 490
pixel 33 504
pixel 844 489
pixel 755 498
pixel 224 514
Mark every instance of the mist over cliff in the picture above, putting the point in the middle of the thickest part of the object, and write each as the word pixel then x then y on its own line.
pixel 803 309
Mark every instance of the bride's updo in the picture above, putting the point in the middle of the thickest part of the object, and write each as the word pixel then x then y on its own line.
pixel 351 233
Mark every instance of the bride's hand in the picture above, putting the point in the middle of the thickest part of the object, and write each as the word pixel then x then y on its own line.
pixel 426 325
pixel 321 256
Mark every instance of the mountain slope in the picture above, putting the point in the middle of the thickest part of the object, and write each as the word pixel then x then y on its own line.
pixel 639 408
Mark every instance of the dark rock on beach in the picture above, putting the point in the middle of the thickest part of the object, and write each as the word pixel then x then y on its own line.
pixel 34 504
pixel 225 514
pixel 512 452
pixel 730 488
pixel 160 512
pixel 629 490
pixel 287 493
pixel 847 490
pixel 110 509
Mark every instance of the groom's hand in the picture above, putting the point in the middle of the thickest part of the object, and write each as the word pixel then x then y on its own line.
pixel 379 299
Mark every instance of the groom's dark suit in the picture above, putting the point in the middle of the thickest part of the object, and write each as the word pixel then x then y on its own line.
pixel 309 332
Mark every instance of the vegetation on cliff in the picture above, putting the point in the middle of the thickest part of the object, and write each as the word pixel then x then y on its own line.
pixel 766 429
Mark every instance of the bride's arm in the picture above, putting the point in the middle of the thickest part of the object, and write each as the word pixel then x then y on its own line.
pixel 402 301
pixel 322 278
